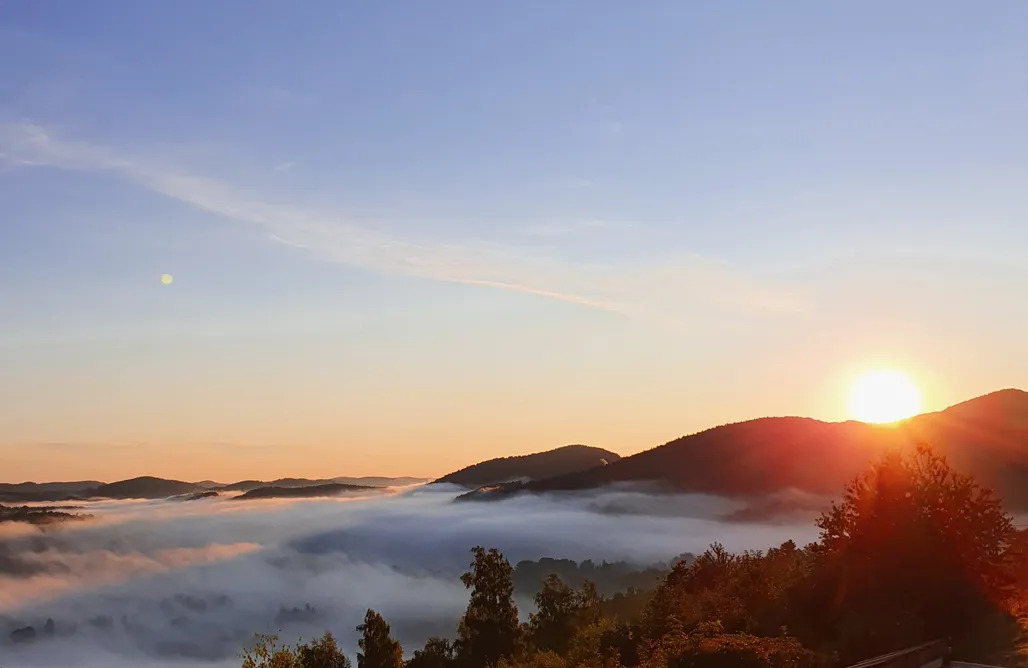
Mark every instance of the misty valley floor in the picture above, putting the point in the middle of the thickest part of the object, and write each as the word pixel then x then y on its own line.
pixel 162 583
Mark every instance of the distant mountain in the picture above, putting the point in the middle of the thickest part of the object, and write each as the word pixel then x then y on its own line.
pixel 986 437
pixel 145 487
pixel 149 487
pixel 24 492
pixel 367 481
pixel 330 489
pixel 561 461
pixel 375 481
pixel 60 487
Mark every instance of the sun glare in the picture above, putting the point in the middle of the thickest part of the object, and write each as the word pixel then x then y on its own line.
pixel 883 396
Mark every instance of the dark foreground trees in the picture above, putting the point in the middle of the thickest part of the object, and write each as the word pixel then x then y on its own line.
pixel 377 647
pixel 321 652
pixel 914 551
pixel 489 630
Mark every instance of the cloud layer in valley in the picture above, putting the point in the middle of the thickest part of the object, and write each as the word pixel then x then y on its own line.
pixel 151 582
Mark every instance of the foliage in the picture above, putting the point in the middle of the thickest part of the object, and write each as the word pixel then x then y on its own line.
pixel 559 610
pixel 748 593
pixel 322 653
pixel 489 629
pixel 708 646
pixel 319 653
pixel 914 551
pixel 547 659
pixel 438 653
pixel 377 647
pixel 610 577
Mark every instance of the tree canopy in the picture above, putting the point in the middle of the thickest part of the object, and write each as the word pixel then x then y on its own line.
pixel 489 629
pixel 377 647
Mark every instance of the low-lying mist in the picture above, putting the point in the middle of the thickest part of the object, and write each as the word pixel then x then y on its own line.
pixel 173 583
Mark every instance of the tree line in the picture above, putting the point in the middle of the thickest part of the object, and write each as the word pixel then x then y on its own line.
pixel 914 551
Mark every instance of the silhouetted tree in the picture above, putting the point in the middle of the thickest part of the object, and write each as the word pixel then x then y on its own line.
pixel 914 551
pixel 553 622
pixel 377 647
pixel 322 652
pixel 488 631
pixel 559 611
pixel 438 653
pixel 708 646
pixel 319 653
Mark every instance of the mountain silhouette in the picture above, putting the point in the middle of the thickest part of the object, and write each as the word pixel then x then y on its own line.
pixel 330 489
pixel 45 491
pixel 145 487
pixel 986 437
pixel 150 487
pixel 557 462
pixel 365 481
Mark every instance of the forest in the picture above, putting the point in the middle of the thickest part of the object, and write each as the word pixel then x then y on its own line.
pixel 913 551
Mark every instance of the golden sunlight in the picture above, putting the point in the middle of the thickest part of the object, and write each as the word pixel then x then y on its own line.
pixel 883 396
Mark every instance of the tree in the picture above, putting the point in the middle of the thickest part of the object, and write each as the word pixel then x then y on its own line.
pixel 914 551
pixel 319 653
pixel 559 611
pixel 708 646
pixel 322 653
pixel 553 622
pixel 266 653
pixel 488 631
pixel 438 653
pixel 377 647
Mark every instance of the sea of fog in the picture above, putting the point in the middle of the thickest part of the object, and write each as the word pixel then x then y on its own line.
pixel 187 584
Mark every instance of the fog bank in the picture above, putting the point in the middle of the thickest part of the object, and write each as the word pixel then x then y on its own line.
pixel 171 583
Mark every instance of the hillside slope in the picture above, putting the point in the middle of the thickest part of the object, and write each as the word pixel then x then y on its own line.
pixel 986 437
pixel 330 489
pixel 145 487
pixel 365 481
pixel 561 461
pixel 45 491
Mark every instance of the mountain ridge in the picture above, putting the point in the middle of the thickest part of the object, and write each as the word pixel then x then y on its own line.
pixel 986 436
pixel 153 487
pixel 537 465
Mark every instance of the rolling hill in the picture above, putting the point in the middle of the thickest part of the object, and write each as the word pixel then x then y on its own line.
pixel 149 487
pixel 986 437
pixel 144 487
pixel 366 481
pixel 561 461
pixel 330 489
pixel 28 492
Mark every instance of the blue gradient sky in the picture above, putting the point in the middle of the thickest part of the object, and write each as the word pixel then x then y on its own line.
pixel 407 236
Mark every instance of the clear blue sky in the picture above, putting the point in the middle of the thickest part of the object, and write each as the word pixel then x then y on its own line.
pixel 407 235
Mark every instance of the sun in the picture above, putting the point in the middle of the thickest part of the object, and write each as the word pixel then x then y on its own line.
pixel 883 396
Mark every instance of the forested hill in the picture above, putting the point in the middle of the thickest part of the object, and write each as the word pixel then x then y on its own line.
pixel 568 459
pixel 986 437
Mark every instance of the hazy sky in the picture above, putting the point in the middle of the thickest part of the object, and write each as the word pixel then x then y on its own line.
pixel 406 236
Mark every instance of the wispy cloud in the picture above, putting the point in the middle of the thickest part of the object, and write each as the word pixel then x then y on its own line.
pixel 284 166
pixel 669 291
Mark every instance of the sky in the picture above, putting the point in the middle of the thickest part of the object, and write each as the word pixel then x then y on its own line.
pixel 409 236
